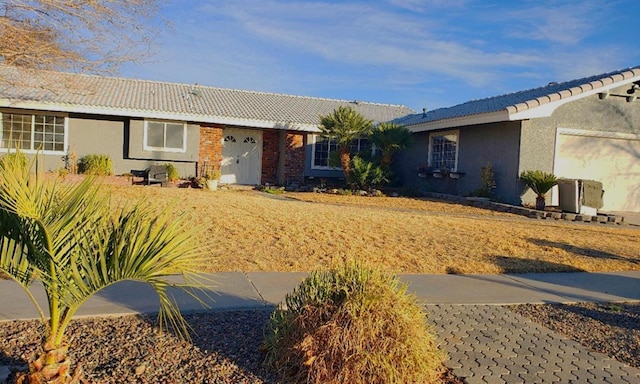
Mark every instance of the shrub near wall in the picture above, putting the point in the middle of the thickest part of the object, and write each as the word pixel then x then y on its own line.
pixel 352 324
pixel 98 165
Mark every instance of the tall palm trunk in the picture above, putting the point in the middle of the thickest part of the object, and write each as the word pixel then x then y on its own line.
pixel 386 158
pixel 51 367
pixel 345 161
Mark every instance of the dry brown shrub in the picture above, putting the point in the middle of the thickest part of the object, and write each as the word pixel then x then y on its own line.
pixel 352 324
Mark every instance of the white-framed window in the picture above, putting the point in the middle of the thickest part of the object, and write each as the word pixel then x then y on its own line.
pixel 324 149
pixel 165 136
pixel 443 150
pixel 34 132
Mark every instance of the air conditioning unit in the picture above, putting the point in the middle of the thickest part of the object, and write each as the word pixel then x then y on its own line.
pixel 580 196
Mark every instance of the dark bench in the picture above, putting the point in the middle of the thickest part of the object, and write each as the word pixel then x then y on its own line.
pixel 156 174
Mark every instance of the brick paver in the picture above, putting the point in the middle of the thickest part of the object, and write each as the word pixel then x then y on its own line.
pixel 490 344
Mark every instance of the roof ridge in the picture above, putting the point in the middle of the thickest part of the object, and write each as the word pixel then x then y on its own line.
pixel 160 82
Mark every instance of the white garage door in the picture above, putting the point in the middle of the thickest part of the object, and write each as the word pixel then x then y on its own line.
pixel 241 156
pixel 612 158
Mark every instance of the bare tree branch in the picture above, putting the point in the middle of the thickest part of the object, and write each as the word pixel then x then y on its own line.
pixel 77 35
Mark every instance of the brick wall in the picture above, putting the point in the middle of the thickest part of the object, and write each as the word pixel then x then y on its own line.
pixel 269 156
pixel 211 153
pixel 294 156
pixel 210 146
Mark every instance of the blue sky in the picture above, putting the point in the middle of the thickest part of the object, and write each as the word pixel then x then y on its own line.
pixel 419 53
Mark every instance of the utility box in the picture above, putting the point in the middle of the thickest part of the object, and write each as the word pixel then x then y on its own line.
pixel 580 196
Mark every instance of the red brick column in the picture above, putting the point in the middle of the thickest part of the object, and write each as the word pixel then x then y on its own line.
pixel 210 146
pixel 294 157
pixel 269 156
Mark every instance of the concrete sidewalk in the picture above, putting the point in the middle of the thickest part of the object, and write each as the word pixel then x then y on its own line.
pixel 485 343
pixel 237 290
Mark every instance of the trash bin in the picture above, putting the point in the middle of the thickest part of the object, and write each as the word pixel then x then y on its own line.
pixel 580 196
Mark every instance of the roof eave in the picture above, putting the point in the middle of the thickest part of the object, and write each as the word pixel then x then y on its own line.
pixel 148 114
pixel 546 105
pixel 484 118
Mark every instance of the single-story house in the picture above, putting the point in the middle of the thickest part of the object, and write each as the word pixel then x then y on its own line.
pixel 585 129
pixel 581 129
pixel 252 137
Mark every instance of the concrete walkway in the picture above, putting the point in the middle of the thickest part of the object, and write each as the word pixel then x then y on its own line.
pixel 485 342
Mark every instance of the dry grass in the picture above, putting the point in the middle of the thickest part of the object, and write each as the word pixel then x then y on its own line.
pixel 252 231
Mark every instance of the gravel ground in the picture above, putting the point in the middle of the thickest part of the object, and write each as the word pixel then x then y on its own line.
pixel 612 329
pixel 225 349
pixel 130 349
pixel 225 345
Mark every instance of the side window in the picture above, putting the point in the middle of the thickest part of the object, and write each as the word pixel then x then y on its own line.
pixel 443 150
pixel 33 132
pixel 165 136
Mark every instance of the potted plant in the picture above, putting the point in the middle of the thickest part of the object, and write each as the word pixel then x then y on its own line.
pixel 440 173
pixel 540 183
pixel 423 171
pixel 211 179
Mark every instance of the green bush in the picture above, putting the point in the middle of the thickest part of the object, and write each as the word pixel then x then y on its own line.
pixel 366 175
pixel 94 164
pixel 352 324
pixel 172 172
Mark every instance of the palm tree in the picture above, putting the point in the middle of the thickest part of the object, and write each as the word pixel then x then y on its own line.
pixel 71 239
pixel 390 138
pixel 540 183
pixel 344 125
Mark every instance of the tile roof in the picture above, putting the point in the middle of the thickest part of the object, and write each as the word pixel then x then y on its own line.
pixel 524 100
pixel 130 97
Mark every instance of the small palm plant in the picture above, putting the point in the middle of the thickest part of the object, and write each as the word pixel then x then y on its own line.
pixel 70 238
pixel 540 183
pixel 344 125
pixel 390 138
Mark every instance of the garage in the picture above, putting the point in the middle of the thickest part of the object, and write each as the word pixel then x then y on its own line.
pixel 241 156
pixel 610 157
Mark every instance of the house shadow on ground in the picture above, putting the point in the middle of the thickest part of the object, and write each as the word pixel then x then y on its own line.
pixel 509 264
pixel 589 252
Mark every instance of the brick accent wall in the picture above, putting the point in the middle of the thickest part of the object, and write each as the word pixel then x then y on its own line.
pixel 210 146
pixel 294 156
pixel 270 156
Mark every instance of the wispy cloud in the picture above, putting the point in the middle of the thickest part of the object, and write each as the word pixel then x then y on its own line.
pixel 555 22
pixel 366 36
pixel 427 5
pixel 426 49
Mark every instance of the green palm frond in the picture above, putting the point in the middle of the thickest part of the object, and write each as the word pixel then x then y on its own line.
pixel 391 136
pixel 539 182
pixel 344 125
pixel 71 238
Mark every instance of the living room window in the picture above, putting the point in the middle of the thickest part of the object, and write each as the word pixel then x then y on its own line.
pixel 30 133
pixel 443 150
pixel 165 136
pixel 324 149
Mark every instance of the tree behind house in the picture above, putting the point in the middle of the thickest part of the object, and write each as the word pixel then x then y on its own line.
pixel 90 36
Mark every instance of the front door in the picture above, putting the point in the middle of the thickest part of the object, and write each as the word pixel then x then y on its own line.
pixel 241 156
